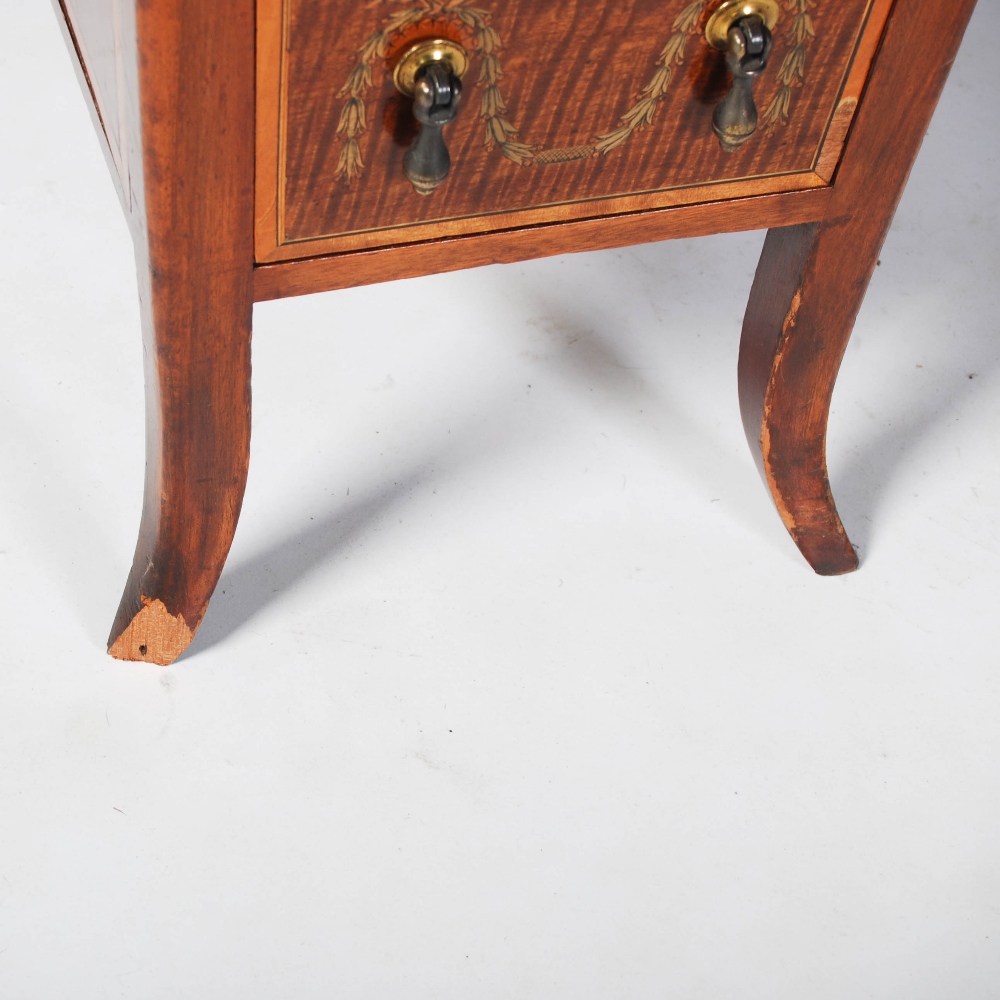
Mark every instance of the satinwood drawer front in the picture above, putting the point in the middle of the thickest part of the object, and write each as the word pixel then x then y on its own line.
pixel 570 110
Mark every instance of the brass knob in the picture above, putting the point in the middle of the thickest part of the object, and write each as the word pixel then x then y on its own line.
pixel 742 28
pixel 431 73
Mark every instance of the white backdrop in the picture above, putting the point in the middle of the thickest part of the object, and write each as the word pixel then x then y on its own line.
pixel 514 685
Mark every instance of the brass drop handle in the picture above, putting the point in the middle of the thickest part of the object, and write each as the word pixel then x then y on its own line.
pixel 431 72
pixel 742 28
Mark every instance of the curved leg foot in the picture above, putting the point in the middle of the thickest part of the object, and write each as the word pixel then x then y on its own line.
pixel 198 450
pixel 796 330
pixel 812 279
pixel 193 226
pixel 197 337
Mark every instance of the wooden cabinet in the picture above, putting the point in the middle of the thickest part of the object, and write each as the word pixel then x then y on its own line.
pixel 258 148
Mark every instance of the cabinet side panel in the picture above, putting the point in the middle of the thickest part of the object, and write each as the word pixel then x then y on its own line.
pixel 95 29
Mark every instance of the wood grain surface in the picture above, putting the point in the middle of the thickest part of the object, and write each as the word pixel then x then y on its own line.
pixel 569 72
pixel 365 267
pixel 193 190
pixel 812 279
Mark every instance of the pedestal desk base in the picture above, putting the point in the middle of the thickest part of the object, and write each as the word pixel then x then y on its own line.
pixel 187 137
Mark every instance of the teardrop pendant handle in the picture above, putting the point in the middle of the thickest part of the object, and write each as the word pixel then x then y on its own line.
pixel 742 28
pixel 431 73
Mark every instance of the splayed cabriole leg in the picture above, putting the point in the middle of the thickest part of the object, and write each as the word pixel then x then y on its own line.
pixel 797 326
pixel 194 246
pixel 812 280
pixel 197 451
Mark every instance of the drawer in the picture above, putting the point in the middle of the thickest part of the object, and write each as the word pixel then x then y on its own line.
pixel 570 110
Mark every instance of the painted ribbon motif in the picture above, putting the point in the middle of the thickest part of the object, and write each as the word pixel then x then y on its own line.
pixel 792 72
pixel 500 132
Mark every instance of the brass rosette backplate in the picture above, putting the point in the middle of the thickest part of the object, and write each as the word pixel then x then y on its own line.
pixel 421 54
pixel 730 11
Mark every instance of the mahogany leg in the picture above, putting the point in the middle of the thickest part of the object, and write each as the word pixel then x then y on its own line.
pixel 812 279
pixel 809 287
pixel 193 228
pixel 197 452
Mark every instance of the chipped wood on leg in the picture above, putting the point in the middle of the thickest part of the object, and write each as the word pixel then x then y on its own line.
pixel 153 636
